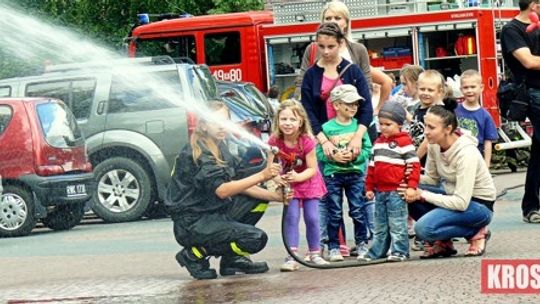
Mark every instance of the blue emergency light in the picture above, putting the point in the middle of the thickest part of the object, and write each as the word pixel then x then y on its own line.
pixel 143 18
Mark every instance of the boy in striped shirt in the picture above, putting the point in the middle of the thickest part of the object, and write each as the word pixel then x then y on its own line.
pixel 387 181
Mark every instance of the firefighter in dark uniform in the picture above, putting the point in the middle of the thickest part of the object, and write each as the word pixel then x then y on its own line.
pixel 213 207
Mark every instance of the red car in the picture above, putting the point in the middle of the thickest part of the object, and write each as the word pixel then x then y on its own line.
pixel 45 171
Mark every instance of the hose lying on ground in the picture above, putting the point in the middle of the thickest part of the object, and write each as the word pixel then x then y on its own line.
pixel 343 264
pixel 504 191
pixel 346 263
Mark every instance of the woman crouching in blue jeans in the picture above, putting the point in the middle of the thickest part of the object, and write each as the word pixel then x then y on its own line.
pixel 463 206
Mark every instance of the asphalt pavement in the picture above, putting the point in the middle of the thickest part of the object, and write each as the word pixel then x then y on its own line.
pixel 134 263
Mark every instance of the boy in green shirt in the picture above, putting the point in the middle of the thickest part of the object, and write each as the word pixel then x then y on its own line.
pixel 342 172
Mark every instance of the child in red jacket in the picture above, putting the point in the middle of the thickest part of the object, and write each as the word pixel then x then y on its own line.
pixel 393 154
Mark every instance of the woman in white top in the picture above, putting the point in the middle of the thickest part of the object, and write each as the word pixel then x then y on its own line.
pixel 463 207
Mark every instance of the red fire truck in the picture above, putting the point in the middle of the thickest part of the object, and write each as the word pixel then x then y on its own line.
pixel 266 48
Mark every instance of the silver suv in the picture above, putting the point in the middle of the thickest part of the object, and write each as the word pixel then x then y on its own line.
pixel 132 135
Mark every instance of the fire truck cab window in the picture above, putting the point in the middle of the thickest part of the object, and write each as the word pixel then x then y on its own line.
pixel 222 48
pixel 176 47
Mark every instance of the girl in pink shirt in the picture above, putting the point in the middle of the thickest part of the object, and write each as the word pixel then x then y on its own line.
pixel 292 135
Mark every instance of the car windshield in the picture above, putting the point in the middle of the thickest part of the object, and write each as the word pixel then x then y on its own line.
pixel 258 98
pixel 59 125
pixel 203 83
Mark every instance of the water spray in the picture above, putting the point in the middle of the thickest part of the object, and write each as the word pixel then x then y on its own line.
pixel 44 42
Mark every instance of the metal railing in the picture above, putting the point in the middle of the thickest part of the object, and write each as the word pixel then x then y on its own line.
pixel 286 12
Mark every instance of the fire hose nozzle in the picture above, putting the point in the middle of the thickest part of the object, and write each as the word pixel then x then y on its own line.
pixel 289 158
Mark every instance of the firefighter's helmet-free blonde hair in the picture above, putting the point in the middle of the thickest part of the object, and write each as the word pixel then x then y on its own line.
pixel 339 8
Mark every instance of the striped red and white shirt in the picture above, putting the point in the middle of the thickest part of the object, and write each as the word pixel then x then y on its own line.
pixel 391 157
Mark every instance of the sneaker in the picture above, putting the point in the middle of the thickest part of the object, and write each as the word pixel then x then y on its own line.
pixel 363 258
pixel 197 268
pixel 417 245
pixel 362 249
pixel 532 217
pixel 344 250
pixel 335 255
pixel 317 259
pixel 398 257
pixel 289 265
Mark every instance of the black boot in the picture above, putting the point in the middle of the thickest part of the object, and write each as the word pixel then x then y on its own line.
pixel 230 265
pixel 198 268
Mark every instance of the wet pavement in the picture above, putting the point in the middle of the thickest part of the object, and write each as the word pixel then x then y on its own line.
pixel 134 263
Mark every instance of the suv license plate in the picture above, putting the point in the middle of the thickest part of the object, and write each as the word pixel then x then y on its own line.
pixel 76 190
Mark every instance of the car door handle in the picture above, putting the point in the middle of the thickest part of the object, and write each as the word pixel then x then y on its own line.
pixel 101 107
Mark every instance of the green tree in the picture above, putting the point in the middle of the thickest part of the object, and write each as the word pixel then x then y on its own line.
pixel 225 6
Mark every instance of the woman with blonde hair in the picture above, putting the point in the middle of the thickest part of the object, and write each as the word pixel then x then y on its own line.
pixel 337 12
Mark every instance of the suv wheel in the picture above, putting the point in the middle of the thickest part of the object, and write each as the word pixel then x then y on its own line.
pixel 64 217
pixel 16 212
pixel 123 190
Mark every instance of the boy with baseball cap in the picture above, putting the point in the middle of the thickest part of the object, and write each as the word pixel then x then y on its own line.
pixel 342 172
pixel 393 155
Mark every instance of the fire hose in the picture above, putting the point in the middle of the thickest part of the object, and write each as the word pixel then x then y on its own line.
pixel 290 161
